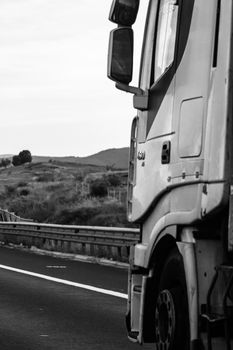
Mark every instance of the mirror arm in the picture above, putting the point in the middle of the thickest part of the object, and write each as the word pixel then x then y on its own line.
pixel 140 99
pixel 131 89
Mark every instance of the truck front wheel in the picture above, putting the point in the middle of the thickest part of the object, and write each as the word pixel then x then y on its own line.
pixel 171 309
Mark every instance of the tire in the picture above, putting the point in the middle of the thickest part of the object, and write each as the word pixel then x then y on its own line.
pixel 171 309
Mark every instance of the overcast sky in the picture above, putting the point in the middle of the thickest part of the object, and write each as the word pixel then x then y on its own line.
pixel 55 98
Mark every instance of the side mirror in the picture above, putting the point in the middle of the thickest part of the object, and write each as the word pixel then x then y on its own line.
pixel 120 55
pixel 124 12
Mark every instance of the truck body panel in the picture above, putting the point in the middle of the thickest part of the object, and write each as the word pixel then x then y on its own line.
pixel 181 178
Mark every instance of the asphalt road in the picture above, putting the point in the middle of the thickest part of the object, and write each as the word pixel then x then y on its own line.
pixel 40 314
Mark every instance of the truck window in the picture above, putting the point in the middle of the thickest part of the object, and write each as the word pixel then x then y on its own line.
pixel 166 37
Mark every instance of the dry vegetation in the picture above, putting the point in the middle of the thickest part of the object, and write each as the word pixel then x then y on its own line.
pixel 56 192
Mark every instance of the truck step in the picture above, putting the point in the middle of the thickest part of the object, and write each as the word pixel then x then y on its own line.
pixel 214 319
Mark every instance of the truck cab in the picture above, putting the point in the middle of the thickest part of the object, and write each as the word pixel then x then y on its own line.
pixel 180 183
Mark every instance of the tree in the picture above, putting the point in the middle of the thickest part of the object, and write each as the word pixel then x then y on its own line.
pixel 22 158
pixel 16 161
pixel 25 156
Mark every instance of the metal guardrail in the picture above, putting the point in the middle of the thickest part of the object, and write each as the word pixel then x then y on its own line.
pixel 105 236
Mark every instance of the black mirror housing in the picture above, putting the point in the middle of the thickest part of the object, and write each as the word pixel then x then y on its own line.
pixel 120 55
pixel 124 12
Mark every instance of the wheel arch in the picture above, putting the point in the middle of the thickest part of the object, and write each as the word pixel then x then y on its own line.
pixel 160 252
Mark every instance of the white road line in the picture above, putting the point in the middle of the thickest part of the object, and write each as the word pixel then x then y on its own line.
pixel 69 283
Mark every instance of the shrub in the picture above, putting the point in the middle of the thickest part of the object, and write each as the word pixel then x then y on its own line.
pixel 77 216
pixel 5 162
pixel 98 188
pixel 28 207
pixel 111 219
pixel 46 177
pixel 10 190
pixel 107 214
pixel 78 177
pixel 114 180
pixel 22 184
pixel 24 192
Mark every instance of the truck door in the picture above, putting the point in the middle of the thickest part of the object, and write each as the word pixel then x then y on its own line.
pixel 155 132
pixel 177 59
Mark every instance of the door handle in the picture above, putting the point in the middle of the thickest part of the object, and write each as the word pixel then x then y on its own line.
pixel 166 150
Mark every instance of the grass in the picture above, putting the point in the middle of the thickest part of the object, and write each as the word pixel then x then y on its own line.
pixel 53 193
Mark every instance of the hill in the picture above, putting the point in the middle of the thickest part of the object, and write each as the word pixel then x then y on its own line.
pixel 116 158
pixel 6 156
pixel 65 192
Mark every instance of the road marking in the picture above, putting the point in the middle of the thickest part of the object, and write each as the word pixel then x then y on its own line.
pixel 55 267
pixel 69 283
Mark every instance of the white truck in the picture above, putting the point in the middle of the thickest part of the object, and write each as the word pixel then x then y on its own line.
pixel 180 186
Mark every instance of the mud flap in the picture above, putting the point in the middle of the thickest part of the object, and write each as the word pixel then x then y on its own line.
pixel 140 311
pixel 147 321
